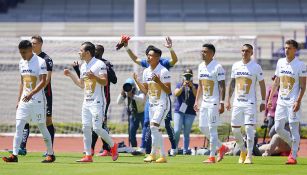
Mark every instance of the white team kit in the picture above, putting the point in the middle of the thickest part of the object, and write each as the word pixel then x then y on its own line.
pixel 94 100
pixel 289 74
pixel 159 104
pixel 34 109
pixel 209 76
pixel 245 102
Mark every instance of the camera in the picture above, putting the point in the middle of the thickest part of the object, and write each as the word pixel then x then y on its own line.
pixel 265 124
pixel 127 87
pixel 187 77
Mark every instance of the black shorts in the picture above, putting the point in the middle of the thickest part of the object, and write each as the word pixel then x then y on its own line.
pixel 49 106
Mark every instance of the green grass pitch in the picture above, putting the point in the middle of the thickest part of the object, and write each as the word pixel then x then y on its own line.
pixel 129 165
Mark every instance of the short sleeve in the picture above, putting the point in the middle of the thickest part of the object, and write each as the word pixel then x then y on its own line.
pixel 165 63
pixel 102 68
pixel 259 73
pixel 277 69
pixel 144 63
pixel 302 72
pixel 220 73
pixel 232 72
pixel 49 64
pixel 165 76
pixel 42 68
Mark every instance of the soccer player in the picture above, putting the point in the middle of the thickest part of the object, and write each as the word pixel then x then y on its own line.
pixel 211 77
pixel 291 78
pixel 31 100
pixel 93 79
pixel 244 76
pixel 157 84
pixel 167 64
pixel 112 78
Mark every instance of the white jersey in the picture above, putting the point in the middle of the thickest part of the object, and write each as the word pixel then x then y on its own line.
pixel 246 76
pixel 289 74
pixel 209 76
pixel 30 71
pixel 155 92
pixel 93 91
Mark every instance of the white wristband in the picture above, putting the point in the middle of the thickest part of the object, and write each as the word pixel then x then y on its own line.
pixel 222 102
pixel 170 49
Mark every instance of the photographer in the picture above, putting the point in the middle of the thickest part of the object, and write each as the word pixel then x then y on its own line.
pixel 184 114
pixel 135 108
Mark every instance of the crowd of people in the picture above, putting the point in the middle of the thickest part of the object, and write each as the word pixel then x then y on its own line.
pixel 148 101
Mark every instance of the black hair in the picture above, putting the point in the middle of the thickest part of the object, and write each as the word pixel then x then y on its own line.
pixel 25 44
pixel 38 38
pixel 88 46
pixel 99 50
pixel 210 47
pixel 293 43
pixel 153 48
pixel 249 46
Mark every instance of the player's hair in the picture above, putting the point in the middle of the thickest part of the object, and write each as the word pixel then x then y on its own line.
pixel 25 44
pixel 100 47
pixel 249 46
pixel 293 43
pixel 88 46
pixel 153 48
pixel 38 38
pixel 210 47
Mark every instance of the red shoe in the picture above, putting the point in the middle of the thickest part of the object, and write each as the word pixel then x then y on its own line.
pixel 85 159
pixel 114 152
pixel 291 160
pixel 104 153
pixel 11 158
pixel 221 152
pixel 209 160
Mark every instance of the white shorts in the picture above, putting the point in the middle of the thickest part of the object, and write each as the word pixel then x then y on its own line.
pixel 286 112
pixel 209 116
pixel 158 112
pixel 33 110
pixel 92 115
pixel 243 115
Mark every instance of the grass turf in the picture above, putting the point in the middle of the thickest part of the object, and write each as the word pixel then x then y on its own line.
pixel 126 164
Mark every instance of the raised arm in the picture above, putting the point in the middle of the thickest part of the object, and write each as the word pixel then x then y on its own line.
pixel 133 57
pixel 169 45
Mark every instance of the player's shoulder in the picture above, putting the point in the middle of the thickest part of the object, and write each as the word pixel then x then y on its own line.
pixel 39 59
pixel 236 64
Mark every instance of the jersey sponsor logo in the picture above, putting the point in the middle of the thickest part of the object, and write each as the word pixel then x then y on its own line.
pixel 242 73
pixel 43 67
pixel 220 74
pixel 204 75
pixel 286 72
pixel 167 77
pixel 27 71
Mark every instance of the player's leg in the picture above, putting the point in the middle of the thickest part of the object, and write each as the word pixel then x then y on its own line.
pixel 87 134
pixel 97 116
pixel 105 147
pixel 237 120
pixel 39 117
pixel 49 122
pixel 154 132
pixel 294 122
pixel 25 136
pixel 170 131
pixel 281 115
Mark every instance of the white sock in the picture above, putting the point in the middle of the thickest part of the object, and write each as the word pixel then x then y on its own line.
pixel 46 136
pixel 250 133
pixel 20 124
pixel 294 127
pixel 104 135
pixel 239 138
pixel 213 140
pixel 280 130
pixel 87 139
pixel 161 145
pixel 155 138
